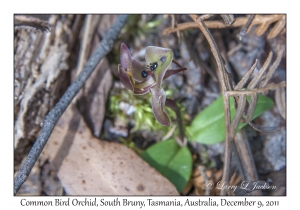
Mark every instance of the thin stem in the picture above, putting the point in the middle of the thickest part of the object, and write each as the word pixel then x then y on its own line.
pixel 246 158
pixel 52 117
pixel 172 104
pixel 225 87
pixel 271 86
pixel 215 51
pixel 228 142
pixel 202 171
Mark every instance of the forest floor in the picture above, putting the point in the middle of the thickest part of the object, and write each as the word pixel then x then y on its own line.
pixel 47 62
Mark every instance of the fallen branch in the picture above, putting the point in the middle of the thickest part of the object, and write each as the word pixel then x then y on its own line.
pixel 54 115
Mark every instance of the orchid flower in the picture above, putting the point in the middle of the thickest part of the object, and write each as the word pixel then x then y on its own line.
pixel 142 79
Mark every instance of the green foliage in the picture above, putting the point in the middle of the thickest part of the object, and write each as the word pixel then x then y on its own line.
pixel 172 161
pixel 208 127
pixel 142 117
pixel 137 27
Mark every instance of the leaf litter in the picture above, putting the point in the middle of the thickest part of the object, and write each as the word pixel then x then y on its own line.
pixel 89 166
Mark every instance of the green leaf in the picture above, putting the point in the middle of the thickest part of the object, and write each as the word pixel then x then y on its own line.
pixel 208 127
pixel 172 161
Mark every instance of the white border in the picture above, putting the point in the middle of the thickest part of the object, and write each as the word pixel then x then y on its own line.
pixel 154 6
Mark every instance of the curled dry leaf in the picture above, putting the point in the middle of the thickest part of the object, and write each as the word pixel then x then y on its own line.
pixel 89 166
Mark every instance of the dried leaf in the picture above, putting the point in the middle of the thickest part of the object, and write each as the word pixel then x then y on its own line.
pixel 89 166
pixel 92 99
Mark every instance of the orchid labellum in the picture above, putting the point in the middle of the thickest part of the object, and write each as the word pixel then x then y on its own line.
pixel 144 78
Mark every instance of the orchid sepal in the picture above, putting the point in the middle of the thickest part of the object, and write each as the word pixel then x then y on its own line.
pixel 158 103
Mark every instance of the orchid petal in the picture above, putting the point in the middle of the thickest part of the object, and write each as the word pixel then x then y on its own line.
pixel 163 57
pixel 125 57
pixel 170 72
pixel 143 91
pixel 149 82
pixel 131 64
pixel 125 79
pixel 144 87
pixel 158 103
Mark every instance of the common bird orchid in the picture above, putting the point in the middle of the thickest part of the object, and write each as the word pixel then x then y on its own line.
pixel 143 78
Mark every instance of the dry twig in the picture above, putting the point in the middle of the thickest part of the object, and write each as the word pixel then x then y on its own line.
pixel 262 21
pixel 245 156
pixel 257 85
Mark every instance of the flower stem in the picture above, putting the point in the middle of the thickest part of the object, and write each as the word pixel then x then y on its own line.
pixel 172 104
